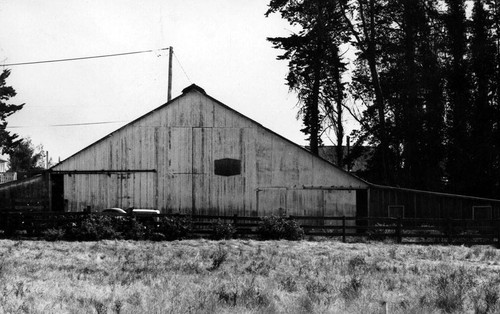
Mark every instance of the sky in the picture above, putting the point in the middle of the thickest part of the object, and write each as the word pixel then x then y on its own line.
pixel 219 45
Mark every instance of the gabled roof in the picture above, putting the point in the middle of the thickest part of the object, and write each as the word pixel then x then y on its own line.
pixel 197 89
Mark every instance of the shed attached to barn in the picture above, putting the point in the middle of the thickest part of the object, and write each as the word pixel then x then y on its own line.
pixel 195 155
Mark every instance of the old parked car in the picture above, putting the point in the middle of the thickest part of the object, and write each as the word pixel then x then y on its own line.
pixel 141 213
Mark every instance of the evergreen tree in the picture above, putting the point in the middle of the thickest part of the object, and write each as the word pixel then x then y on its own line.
pixel 315 68
pixel 7 139
pixel 458 140
pixel 482 111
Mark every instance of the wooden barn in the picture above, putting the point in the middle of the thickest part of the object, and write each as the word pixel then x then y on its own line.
pixel 195 155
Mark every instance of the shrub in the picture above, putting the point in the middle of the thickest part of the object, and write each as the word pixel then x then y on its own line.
pixel 53 234
pixel 276 228
pixel 96 227
pixel 223 230
pixel 174 228
pixel 380 232
pixel 131 229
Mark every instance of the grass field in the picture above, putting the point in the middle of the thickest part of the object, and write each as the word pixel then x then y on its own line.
pixel 246 276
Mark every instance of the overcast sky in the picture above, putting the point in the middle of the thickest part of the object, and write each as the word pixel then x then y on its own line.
pixel 221 45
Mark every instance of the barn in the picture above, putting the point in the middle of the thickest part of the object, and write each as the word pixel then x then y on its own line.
pixel 195 155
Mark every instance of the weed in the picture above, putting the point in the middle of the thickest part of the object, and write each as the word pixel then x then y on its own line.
pixel 135 299
pixel 258 268
pixel 118 306
pixel 392 252
pixel 306 304
pixel 288 283
pixel 316 289
pixel 218 257
pixel 487 300
pixel 489 255
pixel 451 289
pixel 356 263
pixel 100 307
pixel 352 289
pixel 227 296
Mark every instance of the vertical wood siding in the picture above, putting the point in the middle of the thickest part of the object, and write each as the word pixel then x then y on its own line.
pixel 181 141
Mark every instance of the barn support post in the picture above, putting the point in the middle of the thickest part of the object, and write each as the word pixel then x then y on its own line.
pixel 450 228
pixel 49 190
pixel 235 222
pixel 343 229
pixel 399 237
pixel 498 233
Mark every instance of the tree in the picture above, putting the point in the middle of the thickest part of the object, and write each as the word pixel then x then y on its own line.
pixel 7 139
pixel 315 65
pixel 458 93
pixel 366 22
pixel 25 157
pixel 482 51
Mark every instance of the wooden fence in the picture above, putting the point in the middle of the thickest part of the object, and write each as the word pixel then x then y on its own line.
pixel 346 229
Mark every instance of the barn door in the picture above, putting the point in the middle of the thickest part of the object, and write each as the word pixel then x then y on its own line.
pixel 137 190
pixel 57 193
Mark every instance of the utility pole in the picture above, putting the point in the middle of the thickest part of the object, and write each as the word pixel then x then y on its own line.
pixel 170 53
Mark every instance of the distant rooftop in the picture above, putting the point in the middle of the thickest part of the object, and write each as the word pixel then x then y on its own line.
pixel 359 164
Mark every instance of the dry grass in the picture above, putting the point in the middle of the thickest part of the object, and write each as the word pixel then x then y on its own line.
pixel 245 276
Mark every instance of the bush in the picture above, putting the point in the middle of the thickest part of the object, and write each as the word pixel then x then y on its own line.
pixel 277 228
pixel 380 232
pixel 174 228
pixel 131 229
pixel 53 234
pixel 223 230
pixel 96 227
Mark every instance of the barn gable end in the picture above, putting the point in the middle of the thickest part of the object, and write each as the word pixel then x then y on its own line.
pixel 196 155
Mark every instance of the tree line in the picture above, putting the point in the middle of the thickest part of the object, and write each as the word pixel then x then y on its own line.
pixel 421 77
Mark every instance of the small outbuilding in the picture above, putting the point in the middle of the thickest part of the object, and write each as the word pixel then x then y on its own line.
pixel 195 155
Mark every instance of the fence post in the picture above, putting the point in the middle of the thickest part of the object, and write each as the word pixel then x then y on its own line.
pixel 398 230
pixel 343 229
pixel 498 233
pixel 235 222
pixel 450 229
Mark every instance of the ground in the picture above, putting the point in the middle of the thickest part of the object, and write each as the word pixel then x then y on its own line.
pixel 246 276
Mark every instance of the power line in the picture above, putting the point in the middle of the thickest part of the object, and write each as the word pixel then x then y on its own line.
pixel 182 68
pixel 84 58
pixel 62 125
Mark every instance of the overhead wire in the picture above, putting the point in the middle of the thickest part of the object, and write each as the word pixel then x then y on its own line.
pixel 84 58
pixel 77 59
pixel 62 125
pixel 182 67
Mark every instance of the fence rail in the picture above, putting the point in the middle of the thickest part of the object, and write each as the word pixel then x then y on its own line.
pixel 401 230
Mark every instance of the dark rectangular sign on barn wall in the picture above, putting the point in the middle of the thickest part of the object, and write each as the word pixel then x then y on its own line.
pixel 227 167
